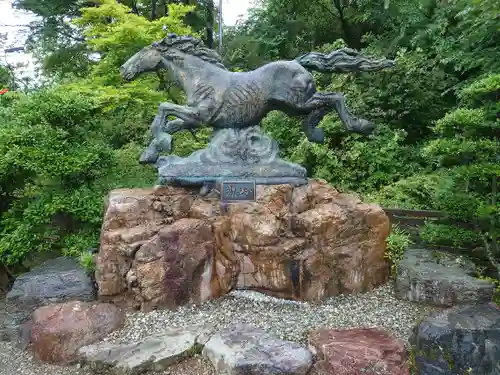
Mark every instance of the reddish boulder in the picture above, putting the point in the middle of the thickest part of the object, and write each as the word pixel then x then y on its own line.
pixel 358 351
pixel 176 266
pixel 59 331
pixel 167 246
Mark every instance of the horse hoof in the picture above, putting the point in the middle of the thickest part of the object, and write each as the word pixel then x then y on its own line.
pixel 164 143
pixel 366 127
pixel 149 156
pixel 205 189
pixel 317 136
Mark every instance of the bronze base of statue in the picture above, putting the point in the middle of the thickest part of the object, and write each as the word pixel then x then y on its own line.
pixel 232 154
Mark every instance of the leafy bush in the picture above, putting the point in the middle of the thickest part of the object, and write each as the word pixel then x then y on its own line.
pixel 462 174
pixel 416 192
pixel 55 170
pixel 466 147
pixel 448 235
pixel 348 161
pixel 398 242
pixel 87 261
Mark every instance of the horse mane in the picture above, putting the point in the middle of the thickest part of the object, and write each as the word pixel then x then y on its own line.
pixel 190 45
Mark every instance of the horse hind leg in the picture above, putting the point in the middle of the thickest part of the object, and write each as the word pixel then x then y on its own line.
pixel 323 102
pixel 337 102
pixel 310 123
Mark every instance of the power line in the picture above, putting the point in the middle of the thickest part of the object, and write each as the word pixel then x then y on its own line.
pixel 13 49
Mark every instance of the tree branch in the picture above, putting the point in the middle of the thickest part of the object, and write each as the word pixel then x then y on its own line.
pixel 337 5
pixel 327 9
pixel 75 38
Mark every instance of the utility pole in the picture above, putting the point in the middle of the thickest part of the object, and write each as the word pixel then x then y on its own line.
pixel 220 27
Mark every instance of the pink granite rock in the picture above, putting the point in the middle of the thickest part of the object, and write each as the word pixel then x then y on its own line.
pixel 358 351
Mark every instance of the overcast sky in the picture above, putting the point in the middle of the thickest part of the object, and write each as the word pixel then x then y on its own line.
pixel 10 19
pixel 231 9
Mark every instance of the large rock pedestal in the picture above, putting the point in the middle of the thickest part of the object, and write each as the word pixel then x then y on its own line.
pixel 166 246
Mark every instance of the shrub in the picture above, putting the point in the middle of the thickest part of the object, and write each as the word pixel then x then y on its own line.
pixel 398 242
pixel 87 261
pixel 449 235
pixel 55 169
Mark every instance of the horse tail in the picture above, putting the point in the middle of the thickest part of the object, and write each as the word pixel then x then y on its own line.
pixel 343 60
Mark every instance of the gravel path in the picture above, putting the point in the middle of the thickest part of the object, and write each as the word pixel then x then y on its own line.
pixel 289 320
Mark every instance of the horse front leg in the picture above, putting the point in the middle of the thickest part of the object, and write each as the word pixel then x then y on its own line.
pixel 162 129
pixel 161 142
pixel 188 118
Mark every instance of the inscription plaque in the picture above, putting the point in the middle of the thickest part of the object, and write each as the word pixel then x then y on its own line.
pixel 237 191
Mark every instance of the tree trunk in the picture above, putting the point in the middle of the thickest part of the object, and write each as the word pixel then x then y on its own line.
pixel 153 9
pixel 210 24
pixel 352 35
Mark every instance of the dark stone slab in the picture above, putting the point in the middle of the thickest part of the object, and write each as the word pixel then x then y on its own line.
pixel 459 340
pixel 155 353
pixel 421 276
pixel 58 280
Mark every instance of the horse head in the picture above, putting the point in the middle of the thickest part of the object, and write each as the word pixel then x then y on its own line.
pixel 147 59
pixel 169 52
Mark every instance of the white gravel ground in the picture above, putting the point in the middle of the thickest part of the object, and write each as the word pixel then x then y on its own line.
pixel 289 320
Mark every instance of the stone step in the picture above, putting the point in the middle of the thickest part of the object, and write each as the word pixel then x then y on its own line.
pixel 439 279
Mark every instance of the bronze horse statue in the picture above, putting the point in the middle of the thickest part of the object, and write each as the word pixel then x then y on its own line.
pixel 221 99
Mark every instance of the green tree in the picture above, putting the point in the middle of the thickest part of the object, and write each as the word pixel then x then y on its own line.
pixel 62 49
pixel 467 146
pixel 463 161
pixel 64 148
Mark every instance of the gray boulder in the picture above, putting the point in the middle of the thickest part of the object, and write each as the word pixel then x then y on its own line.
pixel 436 278
pixel 459 340
pixel 244 350
pixel 58 280
pixel 156 353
